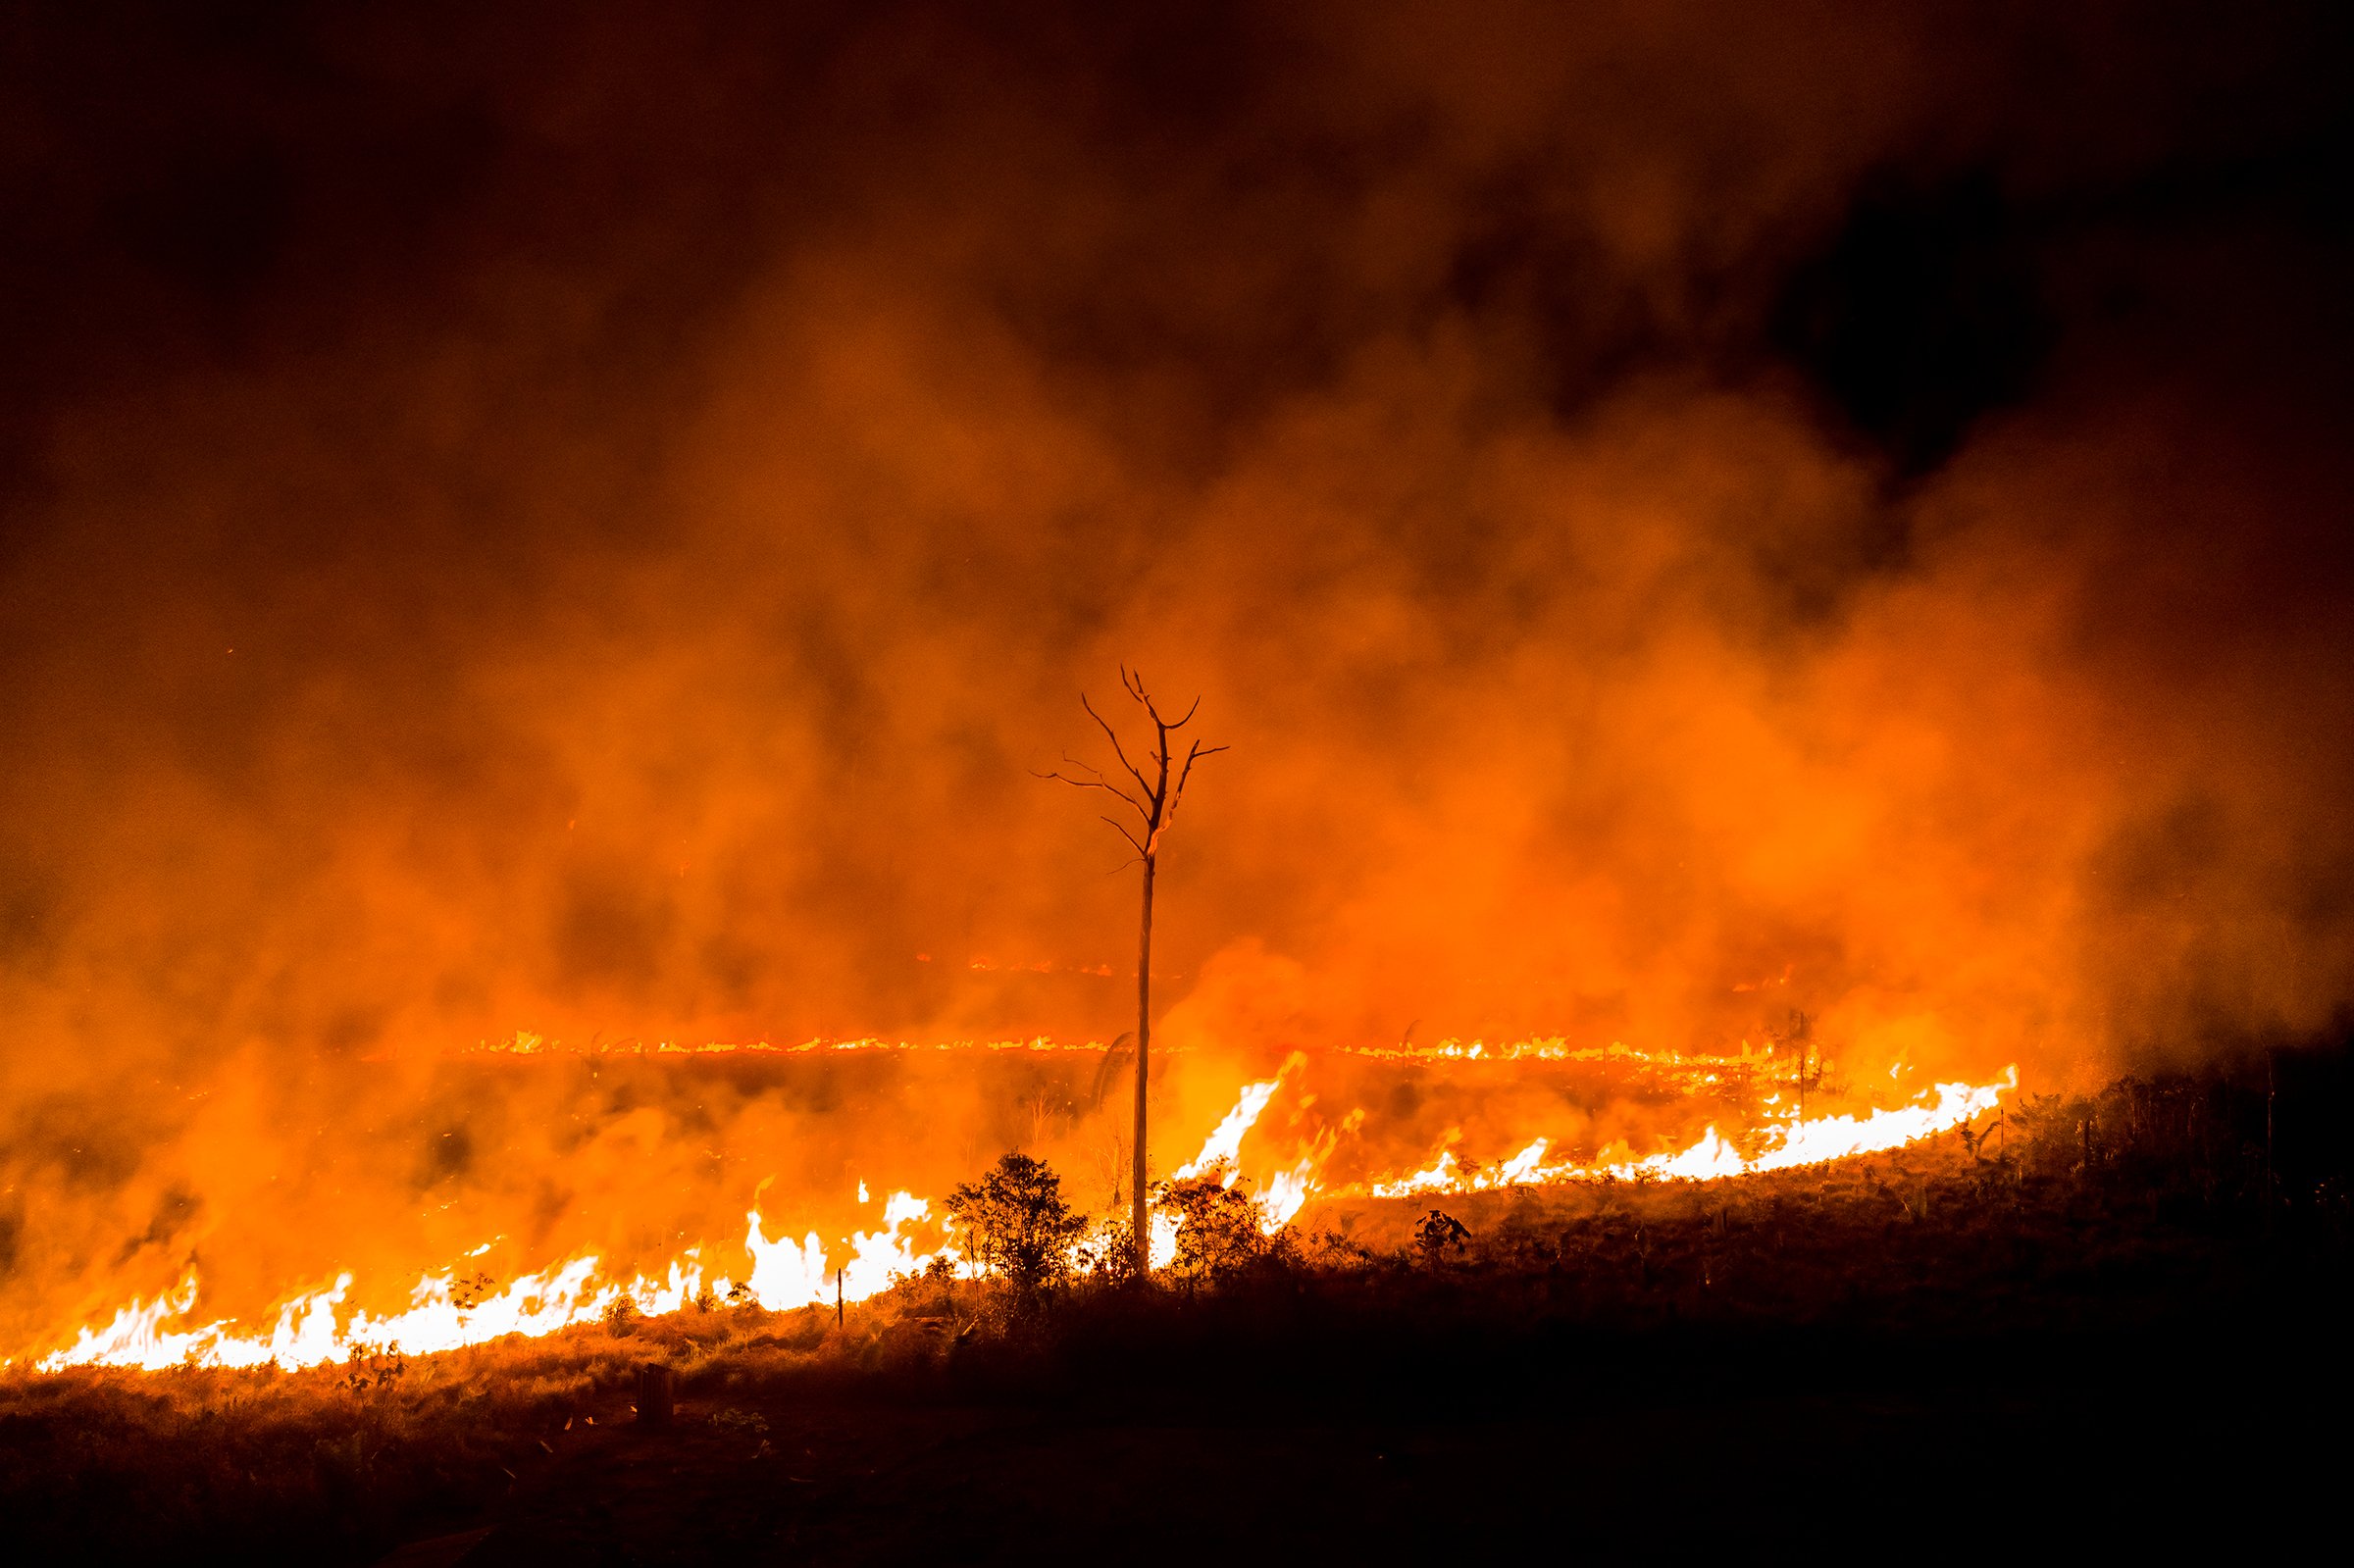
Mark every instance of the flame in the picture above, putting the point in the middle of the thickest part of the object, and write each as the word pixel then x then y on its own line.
pixel 314 1327
pixel 1792 1142
pixel 524 1042
pixel 1811 1141
pixel 307 1333
pixel 1225 1141
pixel 1163 1240
pixel 1286 1191
pixel 786 1274
pixel 1224 1147
pixel 1524 1167
pixel 1686 1069
pixel 877 1256
pixel 310 1332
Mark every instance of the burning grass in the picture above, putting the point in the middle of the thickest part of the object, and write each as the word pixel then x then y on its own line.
pixel 2149 1213
pixel 1272 1137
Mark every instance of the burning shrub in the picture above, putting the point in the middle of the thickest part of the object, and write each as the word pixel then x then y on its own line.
pixel 1017 1221
pixel 1218 1231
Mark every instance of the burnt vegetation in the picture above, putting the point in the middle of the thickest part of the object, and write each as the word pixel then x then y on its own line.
pixel 2133 1292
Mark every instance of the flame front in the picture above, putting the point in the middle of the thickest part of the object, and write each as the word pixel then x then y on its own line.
pixel 319 1326
pixel 1793 1142
pixel 308 1334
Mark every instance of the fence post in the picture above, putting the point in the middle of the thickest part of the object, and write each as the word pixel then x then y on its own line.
pixel 654 1388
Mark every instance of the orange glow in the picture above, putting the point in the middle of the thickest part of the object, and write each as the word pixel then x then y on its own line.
pixel 536 594
pixel 320 1325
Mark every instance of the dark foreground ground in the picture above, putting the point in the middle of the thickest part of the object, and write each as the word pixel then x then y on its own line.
pixel 2119 1335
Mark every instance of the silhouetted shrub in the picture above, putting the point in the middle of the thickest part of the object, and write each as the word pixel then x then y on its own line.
pixel 1219 1231
pixel 1015 1221
pixel 1440 1237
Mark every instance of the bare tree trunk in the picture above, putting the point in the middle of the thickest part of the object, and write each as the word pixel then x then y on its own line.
pixel 1143 1045
pixel 1155 803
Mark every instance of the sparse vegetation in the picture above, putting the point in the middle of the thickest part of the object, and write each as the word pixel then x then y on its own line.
pixel 1219 1233
pixel 2145 1221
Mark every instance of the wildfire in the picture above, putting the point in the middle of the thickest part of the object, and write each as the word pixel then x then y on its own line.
pixel 1790 1142
pixel 307 1331
pixel 1523 1169
pixel 1682 1069
pixel 449 1311
pixel 524 1042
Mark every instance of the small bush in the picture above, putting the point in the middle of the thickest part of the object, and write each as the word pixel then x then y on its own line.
pixel 1219 1231
pixel 1440 1237
pixel 1017 1221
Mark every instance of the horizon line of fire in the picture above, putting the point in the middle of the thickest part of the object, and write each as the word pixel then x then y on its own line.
pixel 786 1274
pixel 1554 1047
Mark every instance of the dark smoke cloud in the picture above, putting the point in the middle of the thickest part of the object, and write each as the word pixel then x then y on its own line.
pixel 585 525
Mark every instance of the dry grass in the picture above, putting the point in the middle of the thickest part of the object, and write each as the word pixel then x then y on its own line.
pixel 2143 1212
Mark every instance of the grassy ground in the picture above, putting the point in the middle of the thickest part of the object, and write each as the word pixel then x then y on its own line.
pixel 2125 1326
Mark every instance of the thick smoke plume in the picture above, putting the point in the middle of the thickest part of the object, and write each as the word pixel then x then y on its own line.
pixel 587 527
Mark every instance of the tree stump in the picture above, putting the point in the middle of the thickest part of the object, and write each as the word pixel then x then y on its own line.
pixel 654 1386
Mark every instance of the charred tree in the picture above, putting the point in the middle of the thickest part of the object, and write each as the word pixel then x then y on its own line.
pixel 1154 801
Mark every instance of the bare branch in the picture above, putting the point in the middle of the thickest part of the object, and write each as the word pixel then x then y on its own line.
pixel 1197 752
pixel 1113 736
pixel 1096 782
pixel 1157 809
pixel 1137 690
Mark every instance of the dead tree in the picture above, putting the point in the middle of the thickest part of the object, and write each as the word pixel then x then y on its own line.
pixel 1154 803
pixel 1801 1034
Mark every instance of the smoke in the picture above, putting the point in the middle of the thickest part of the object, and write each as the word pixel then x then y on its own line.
pixel 590 529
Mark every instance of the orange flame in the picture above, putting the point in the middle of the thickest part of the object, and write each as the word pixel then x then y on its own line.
pixel 313 1327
